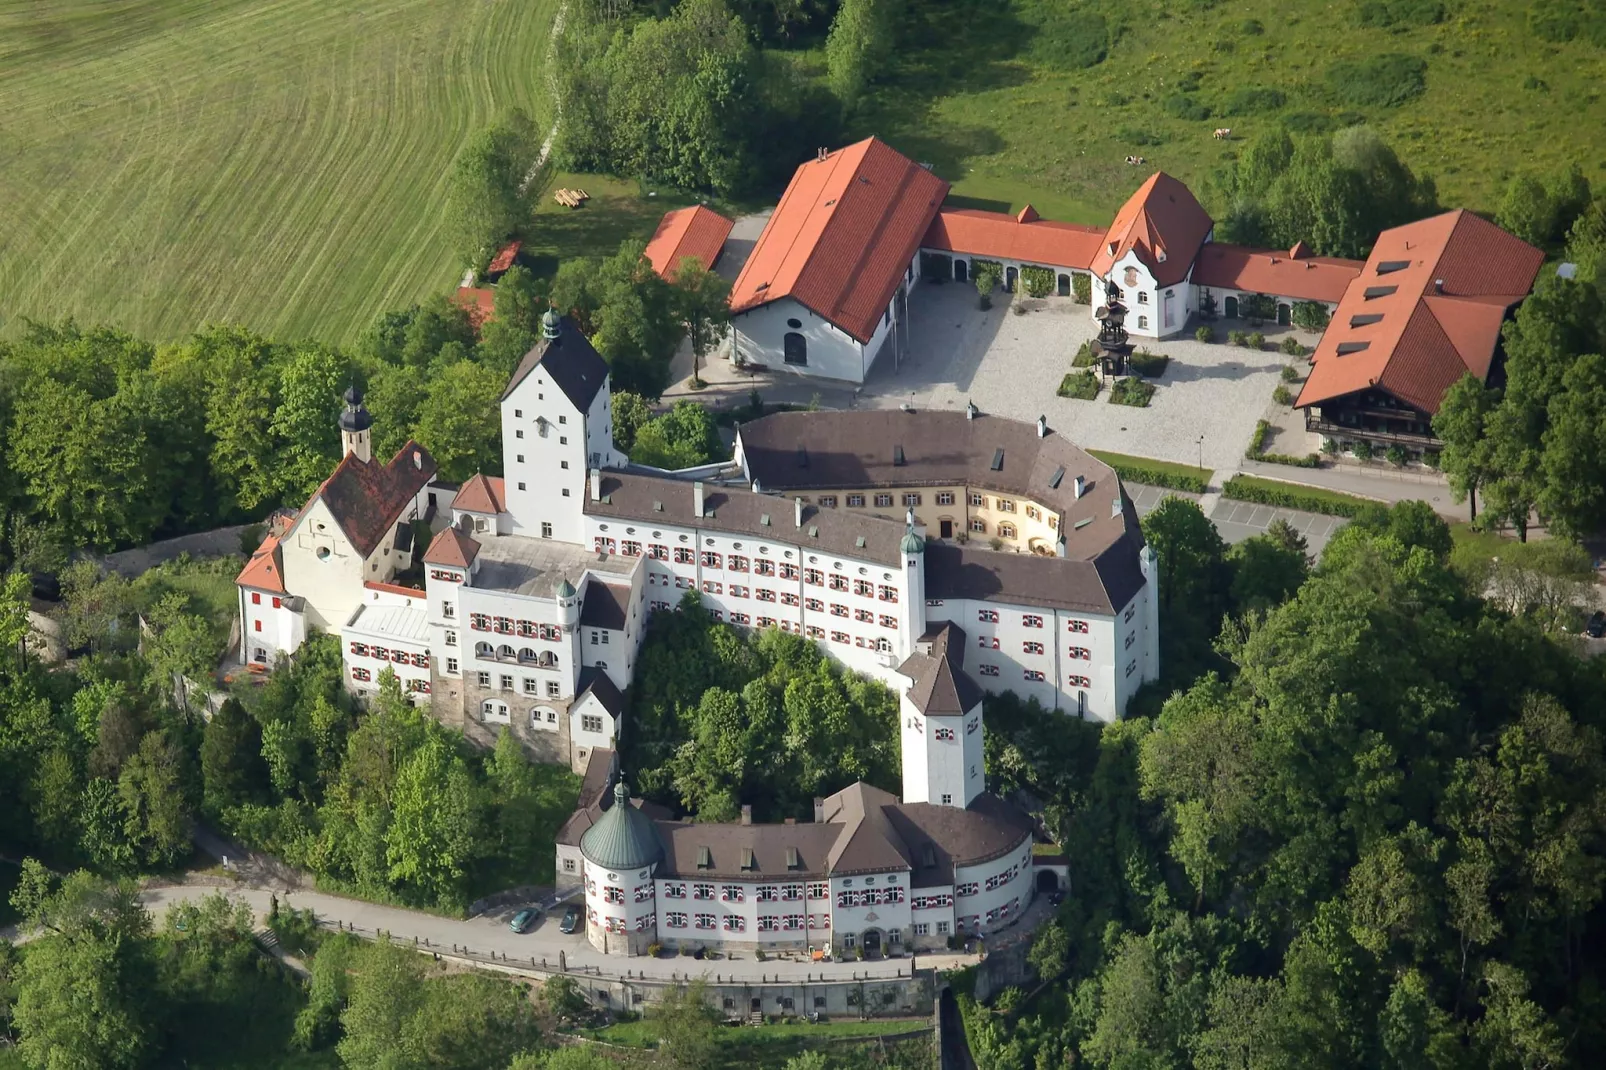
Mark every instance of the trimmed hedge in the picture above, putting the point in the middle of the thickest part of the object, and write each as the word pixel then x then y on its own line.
pixel 1036 281
pixel 1149 365
pixel 1157 477
pixel 1082 288
pixel 1242 489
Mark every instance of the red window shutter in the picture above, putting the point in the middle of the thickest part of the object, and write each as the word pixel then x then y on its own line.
pixel 256 625
pixel 275 602
pixel 256 599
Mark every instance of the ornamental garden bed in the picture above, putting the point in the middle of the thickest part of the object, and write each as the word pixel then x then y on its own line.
pixel 1082 385
pixel 1131 391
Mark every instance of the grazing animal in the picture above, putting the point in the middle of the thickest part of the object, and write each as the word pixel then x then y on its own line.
pixel 1222 133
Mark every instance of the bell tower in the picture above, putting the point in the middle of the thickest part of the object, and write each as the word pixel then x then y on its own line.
pixel 354 425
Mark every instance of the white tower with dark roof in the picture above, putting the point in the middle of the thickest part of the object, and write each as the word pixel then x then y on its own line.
pixel 941 731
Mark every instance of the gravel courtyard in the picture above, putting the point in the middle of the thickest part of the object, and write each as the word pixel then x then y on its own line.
pixel 1011 364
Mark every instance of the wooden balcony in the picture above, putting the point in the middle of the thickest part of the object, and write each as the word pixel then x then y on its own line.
pixel 1408 439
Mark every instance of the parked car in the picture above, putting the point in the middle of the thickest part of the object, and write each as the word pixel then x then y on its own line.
pixel 1596 628
pixel 524 919
pixel 571 921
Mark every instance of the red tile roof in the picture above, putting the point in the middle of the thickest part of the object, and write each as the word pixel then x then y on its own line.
pixel 695 231
pixel 1440 288
pixel 265 570
pixel 1303 277
pixel 1163 223
pixel 842 236
pixel 504 259
pixel 480 304
pixel 481 494
pixel 451 547
pixel 1025 237
pixel 367 498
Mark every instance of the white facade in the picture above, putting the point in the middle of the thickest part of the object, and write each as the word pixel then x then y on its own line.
pixel 621 909
pixel 942 756
pixel 272 627
pixel 1152 310
pixel 548 446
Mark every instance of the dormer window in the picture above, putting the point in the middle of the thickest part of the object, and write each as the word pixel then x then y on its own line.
pixel 705 858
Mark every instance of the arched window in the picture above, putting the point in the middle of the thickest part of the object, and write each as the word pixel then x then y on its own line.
pixel 1143 323
pixel 795 348
pixel 527 656
pixel 492 710
pixel 484 650
pixel 505 651
pixel 548 660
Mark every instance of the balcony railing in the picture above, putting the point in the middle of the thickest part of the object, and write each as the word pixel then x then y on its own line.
pixel 1393 438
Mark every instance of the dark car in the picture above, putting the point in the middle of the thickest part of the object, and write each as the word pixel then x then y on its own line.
pixel 571 921
pixel 1596 628
pixel 524 919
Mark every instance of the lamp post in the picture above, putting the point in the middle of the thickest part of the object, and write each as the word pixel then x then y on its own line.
pixel 1201 453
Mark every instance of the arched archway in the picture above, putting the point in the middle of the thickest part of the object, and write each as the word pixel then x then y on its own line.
pixel 870 941
pixel 1064 285
pixel 1230 308
pixel 795 348
pixel 961 270
pixel 1285 314
pixel 1047 881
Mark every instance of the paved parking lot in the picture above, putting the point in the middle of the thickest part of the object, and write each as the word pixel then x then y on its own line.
pixel 1238 521
pixel 1011 365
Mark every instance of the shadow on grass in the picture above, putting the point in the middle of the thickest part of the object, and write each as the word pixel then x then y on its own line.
pixel 985 204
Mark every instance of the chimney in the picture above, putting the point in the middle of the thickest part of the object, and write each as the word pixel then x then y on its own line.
pixel 1042 427
pixel 747 814
pixel 697 498
pixel 797 511
pixel 1115 504
pixel 1080 487
pixel 819 810
pixel 1059 545
pixel 596 484
pixel 1438 286
pixel 970 410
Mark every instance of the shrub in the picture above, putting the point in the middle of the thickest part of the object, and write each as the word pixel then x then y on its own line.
pixel 1161 477
pixel 1362 451
pixel 1187 107
pixel 1310 460
pixel 1257 308
pixel 1255 340
pixel 1252 100
pixel 1020 310
pixel 758 954
pixel 997 544
pixel 1396 456
pixel 1564 20
pixel 1148 365
pixel 1241 489
pixel 1308 122
pixel 1330 447
pixel 1132 135
pixel 1310 315
pixel 1082 288
pixel 1084 385
pixel 1131 391
pixel 1430 458
pixel 1073 40
pixel 1383 81
pixel 1237 338
pixel 1292 347
pixel 1084 356
pixel 961 536
pixel 1257 441
pixel 1204 334
pixel 1036 281
pixel 1251 28
pixel 1282 395
pixel 251 537
pixel 654 950
pixel 1383 14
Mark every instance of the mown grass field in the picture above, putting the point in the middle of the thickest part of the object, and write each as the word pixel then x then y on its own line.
pixel 276 163
pixel 992 95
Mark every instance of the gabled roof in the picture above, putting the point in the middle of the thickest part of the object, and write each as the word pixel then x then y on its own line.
pixel 868 842
pixel 842 236
pixel 1024 237
pixel 366 498
pixel 596 682
pixel 452 548
pixel 604 606
pixel 504 258
pixel 574 365
pixel 941 685
pixel 481 494
pixel 696 231
pixel 1426 310
pixel 1302 276
pixel 479 303
pixel 1163 223
pixel 265 570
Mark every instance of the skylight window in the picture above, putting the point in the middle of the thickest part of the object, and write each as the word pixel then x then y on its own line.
pixel 897 456
pixel 1388 267
pixel 802 457
pixel 1346 348
pixel 1059 474
pixel 1379 291
pixel 1366 320
pixel 998 460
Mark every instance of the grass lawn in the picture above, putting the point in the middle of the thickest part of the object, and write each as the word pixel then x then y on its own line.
pixel 618 209
pixel 993 95
pixel 207 583
pixel 1126 460
pixel 276 163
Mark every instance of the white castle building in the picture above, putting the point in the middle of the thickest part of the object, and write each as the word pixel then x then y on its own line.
pixel 939 552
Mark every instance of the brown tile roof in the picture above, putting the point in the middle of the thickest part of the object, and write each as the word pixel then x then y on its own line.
pixel 504 258
pixel 1103 585
pixel 841 450
pixel 595 798
pixel 842 236
pixel 1303 277
pixel 604 606
pixel 653 500
pixel 597 682
pixel 868 842
pixel 697 231
pixel 1164 224
pixel 683 843
pixel 479 303
pixel 367 498
pixel 941 685
pixel 575 366
pixel 265 570
pixel 1024 237
pixel 453 548
pixel 481 494
pixel 1426 310
pixel 985 830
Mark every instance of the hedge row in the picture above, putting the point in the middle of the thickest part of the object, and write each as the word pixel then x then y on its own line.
pixel 1159 477
pixel 1258 443
pixel 1239 488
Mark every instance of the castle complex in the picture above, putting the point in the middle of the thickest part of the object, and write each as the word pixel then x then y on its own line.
pixel 942 553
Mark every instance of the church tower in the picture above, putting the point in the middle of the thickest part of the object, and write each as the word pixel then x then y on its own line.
pixel 354 425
